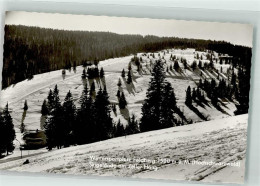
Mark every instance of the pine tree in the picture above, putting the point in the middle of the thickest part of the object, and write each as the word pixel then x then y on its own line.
pixel 84 129
pixel 194 65
pixel 69 109
pixel 56 97
pixel 7 132
pixel 188 100
pixel 185 65
pixel 50 99
pixel 154 103
pixel 96 72
pixel 194 94
pixel 129 78
pixel 122 101
pixel 101 73
pixel 118 93
pixel 44 110
pixel 243 89
pixel 92 88
pixel 200 85
pixel 25 108
pixel 200 64
pixel 168 106
pixel 54 130
pixel 176 66
pixel 119 83
pixel 129 66
pixel 132 127
pixel 123 73
pixel 103 119
pixel 119 129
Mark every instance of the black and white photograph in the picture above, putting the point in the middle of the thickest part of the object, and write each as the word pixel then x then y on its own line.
pixel 127 97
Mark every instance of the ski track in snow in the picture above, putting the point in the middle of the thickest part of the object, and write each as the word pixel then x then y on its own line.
pixel 221 140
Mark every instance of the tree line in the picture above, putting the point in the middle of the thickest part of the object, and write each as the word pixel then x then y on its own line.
pixel 33 50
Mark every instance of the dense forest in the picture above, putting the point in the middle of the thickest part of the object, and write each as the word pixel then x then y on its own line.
pixel 32 50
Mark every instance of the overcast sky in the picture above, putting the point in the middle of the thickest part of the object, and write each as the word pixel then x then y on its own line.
pixel 235 33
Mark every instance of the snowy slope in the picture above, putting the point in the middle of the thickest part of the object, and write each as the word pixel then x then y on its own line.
pixel 36 90
pixel 221 140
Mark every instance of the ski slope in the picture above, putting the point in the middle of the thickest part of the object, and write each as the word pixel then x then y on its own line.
pixel 220 141
pixel 37 89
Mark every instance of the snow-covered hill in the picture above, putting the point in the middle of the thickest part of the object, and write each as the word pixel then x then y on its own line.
pixel 220 141
pixel 36 90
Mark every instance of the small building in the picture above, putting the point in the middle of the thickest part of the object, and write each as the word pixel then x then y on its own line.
pixel 34 139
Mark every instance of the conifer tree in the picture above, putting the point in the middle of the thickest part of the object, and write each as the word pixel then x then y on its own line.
pixel 69 110
pixel 122 101
pixel 176 66
pixel 96 72
pixel 154 103
pixel 104 124
pixel 200 64
pixel 54 130
pixel 132 127
pixel 194 65
pixel 129 78
pixel 119 83
pixel 188 100
pixel 25 108
pixel 129 66
pixel 168 107
pixel 7 132
pixel 84 129
pixel 185 65
pixel 50 99
pixel 243 88
pixel 119 129
pixel 56 97
pixel 92 88
pixel 200 85
pixel 118 93
pixel 101 73
pixel 123 73
pixel 44 110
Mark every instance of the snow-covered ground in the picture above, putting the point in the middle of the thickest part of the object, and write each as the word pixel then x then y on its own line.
pixel 161 154
pixel 37 89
